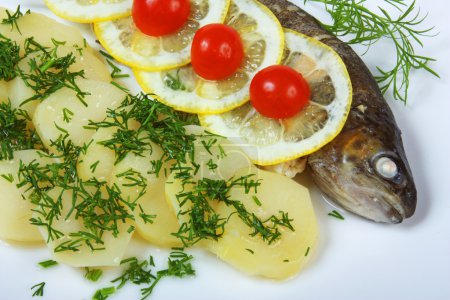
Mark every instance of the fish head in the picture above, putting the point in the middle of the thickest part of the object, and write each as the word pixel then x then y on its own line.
pixel 368 174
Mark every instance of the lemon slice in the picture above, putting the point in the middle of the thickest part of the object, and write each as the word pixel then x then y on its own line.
pixel 90 11
pixel 182 89
pixel 133 48
pixel 275 141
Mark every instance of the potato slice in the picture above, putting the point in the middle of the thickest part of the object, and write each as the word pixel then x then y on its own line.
pixel 152 201
pixel 4 91
pixel 114 247
pixel 43 29
pixel 98 161
pixel 52 110
pixel 93 67
pixel 15 207
pixel 283 258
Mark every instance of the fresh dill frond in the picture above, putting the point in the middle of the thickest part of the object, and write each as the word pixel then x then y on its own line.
pixel 12 18
pixel 205 223
pixel 14 133
pixel 178 265
pixel 38 289
pixel 9 58
pixel 104 293
pixel 336 214
pixel 48 264
pixel 140 272
pixel 101 206
pixel 93 274
pixel 352 17
pixel 49 72
pixel 137 272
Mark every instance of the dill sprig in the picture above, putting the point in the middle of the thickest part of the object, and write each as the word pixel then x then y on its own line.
pixel 205 223
pixel 351 17
pixel 49 72
pixel 9 58
pixel 38 289
pixel 48 263
pixel 100 206
pixel 12 18
pixel 141 272
pixel 104 293
pixel 93 274
pixel 14 134
pixel 336 214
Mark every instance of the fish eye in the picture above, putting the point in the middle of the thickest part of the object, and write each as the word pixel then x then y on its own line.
pixel 386 167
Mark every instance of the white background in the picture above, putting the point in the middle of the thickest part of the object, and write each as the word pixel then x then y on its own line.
pixel 356 259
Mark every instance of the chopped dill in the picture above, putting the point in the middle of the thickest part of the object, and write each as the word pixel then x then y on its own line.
pixel 93 274
pixel 336 215
pixel 9 58
pixel 38 289
pixel 140 272
pixel 8 177
pixel 49 72
pixel 307 251
pixel 12 18
pixel 67 115
pixel 48 264
pixel 104 293
pixel 14 133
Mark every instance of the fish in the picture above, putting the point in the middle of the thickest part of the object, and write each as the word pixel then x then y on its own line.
pixel 364 169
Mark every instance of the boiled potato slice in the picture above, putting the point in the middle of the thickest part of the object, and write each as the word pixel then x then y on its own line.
pixel 152 201
pixel 4 91
pixel 15 207
pixel 43 29
pixel 115 247
pixel 18 93
pixel 218 158
pixel 51 111
pixel 98 161
pixel 283 258
pixel 93 68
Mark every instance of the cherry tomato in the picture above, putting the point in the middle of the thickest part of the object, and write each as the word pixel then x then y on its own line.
pixel 217 51
pixel 279 92
pixel 160 17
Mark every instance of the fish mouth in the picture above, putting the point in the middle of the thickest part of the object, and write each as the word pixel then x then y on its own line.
pixel 369 197
pixel 377 205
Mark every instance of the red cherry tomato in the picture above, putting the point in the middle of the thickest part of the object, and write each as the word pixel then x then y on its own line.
pixel 217 51
pixel 279 92
pixel 160 17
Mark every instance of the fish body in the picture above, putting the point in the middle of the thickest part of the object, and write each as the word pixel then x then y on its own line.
pixel 364 169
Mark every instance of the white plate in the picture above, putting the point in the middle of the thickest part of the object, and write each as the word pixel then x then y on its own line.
pixel 356 259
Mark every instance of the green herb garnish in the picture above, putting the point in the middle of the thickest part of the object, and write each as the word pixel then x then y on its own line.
pixel 14 134
pixel 367 27
pixel 93 274
pixel 12 18
pixel 9 58
pixel 38 289
pixel 49 72
pixel 48 264
pixel 336 215
pixel 307 251
pixel 104 293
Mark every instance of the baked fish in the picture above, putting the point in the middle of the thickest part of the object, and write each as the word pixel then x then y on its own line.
pixel 364 169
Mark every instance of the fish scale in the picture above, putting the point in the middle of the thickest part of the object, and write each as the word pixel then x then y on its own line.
pixel 346 169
